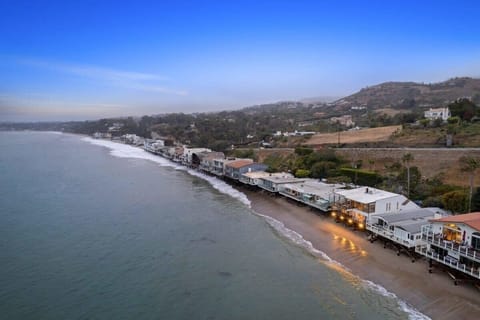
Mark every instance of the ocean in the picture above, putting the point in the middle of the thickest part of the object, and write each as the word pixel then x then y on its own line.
pixel 93 229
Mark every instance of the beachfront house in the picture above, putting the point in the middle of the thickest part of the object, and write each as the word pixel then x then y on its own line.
pixel 205 160
pixel 311 192
pixel 235 169
pixel 274 183
pixel 219 165
pixel 453 241
pixel 403 228
pixel 253 178
pixel 356 206
pixel 189 155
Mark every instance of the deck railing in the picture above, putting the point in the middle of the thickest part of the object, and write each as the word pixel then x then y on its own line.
pixel 449 261
pixel 386 233
pixel 464 250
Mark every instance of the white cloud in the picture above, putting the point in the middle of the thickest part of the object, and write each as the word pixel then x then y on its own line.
pixel 120 78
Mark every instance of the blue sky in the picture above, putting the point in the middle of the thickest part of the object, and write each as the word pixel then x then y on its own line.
pixel 62 60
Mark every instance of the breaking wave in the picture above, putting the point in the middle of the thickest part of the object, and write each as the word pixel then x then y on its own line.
pixel 121 150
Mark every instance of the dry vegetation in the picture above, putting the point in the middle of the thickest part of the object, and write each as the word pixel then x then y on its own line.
pixel 356 136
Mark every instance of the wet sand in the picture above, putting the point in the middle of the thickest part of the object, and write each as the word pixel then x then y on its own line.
pixel 435 295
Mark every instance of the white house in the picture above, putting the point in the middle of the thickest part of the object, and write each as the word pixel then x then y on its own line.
pixel 438 113
pixel 189 152
pixel 453 241
pixel 253 178
pixel 403 228
pixel 312 192
pixel 274 183
pixel 357 205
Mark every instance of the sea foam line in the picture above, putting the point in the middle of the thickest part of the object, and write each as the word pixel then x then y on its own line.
pixel 121 150
pixel 126 151
pixel 298 239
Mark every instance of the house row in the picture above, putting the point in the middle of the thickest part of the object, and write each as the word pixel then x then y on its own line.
pixel 450 241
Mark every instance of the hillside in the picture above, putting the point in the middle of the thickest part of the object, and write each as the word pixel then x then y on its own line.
pixel 410 95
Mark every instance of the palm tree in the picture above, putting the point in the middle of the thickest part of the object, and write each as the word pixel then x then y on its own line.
pixel 469 165
pixel 407 158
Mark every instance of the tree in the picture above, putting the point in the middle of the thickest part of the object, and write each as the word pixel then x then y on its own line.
pixel 463 108
pixel 302 173
pixel 407 158
pixel 455 201
pixel 469 165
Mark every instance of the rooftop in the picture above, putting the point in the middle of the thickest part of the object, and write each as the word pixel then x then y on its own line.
pixel 283 179
pixel 366 194
pixel 470 219
pixel 239 163
pixel 261 174
pixel 314 187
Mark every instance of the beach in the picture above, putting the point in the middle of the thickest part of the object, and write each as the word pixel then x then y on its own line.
pixel 435 294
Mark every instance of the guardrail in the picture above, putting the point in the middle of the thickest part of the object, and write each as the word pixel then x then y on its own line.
pixel 451 245
pixel 449 261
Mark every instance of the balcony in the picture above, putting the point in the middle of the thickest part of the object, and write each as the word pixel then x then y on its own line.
pixel 449 261
pixel 463 250
pixel 388 234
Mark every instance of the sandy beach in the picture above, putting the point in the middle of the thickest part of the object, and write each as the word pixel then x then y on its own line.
pixel 435 295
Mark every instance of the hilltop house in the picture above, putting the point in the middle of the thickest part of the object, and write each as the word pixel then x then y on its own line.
pixel 438 113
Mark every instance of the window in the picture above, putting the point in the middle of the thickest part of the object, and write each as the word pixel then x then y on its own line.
pixel 476 240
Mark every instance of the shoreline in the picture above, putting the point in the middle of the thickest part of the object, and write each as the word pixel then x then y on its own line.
pixel 434 295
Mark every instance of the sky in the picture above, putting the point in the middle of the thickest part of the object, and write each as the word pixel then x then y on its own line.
pixel 76 60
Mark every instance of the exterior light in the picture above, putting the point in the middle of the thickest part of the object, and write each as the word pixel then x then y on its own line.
pixel 360 225
pixel 342 217
pixel 350 221
pixel 334 214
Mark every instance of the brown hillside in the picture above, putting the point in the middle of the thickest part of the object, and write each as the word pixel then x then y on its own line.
pixel 355 136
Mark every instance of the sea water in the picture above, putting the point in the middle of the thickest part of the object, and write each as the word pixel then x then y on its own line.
pixel 93 229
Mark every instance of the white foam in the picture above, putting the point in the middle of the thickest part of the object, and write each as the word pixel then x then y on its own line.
pixel 222 187
pixel 121 150
pixel 126 151
pixel 298 239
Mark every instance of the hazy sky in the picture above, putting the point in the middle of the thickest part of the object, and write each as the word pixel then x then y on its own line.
pixel 63 60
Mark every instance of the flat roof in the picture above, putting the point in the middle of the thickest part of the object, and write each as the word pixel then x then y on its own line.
pixel 411 220
pixel 282 179
pixel 410 215
pixel 314 187
pixel 261 174
pixel 366 194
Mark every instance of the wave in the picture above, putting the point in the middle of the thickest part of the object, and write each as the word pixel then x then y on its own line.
pixel 222 187
pixel 121 150
pixel 298 239
pixel 126 151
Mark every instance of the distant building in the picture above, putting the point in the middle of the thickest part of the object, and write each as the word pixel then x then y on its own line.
pixel 438 113
pixel 345 120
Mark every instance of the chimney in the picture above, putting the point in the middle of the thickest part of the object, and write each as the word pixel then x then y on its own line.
pixel 366 191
